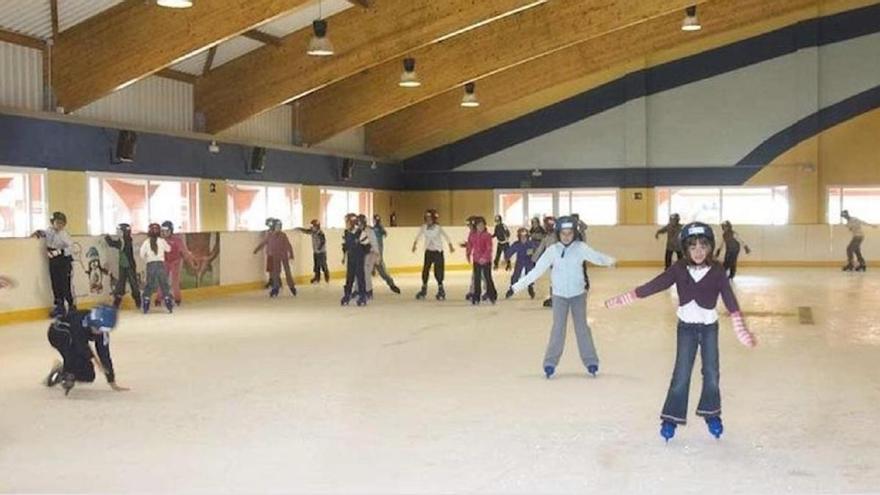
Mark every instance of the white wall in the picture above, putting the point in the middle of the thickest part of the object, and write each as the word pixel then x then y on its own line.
pixel 24 261
pixel 275 125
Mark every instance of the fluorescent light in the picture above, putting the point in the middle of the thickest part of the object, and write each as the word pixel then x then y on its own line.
pixel 320 45
pixel 409 79
pixel 690 22
pixel 175 4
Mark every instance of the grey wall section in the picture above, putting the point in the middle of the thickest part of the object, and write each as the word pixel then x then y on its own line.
pixel 695 116
pixel 31 142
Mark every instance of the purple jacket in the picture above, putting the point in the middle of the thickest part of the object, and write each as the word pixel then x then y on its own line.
pixel 705 292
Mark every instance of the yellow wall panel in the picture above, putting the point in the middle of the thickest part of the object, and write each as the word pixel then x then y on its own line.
pixel 68 192
pixel 212 205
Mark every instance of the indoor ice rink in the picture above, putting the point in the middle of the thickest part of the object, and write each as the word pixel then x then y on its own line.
pixel 692 180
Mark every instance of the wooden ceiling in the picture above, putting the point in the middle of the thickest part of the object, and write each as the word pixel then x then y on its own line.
pixel 523 55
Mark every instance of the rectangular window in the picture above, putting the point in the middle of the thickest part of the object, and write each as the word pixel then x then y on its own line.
pixel 249 205
pixel 139 201
pixel 336 203
pixel 22 201
pixel 595 206
pixel 712 205
pixel 861 202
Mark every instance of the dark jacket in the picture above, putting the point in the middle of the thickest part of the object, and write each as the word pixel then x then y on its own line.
pixel 123 244
pixel 73 331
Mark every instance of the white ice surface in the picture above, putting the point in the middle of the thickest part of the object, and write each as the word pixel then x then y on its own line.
pixel 247 394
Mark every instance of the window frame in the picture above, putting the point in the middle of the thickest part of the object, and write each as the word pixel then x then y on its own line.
pixel 664 219
pixel 842 188
pixel 323 211
pixel 196 214
pixel 267 185
pixel 44 187
pixel 497 193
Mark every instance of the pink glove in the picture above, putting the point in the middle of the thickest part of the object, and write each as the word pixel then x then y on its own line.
pixel 622 300
pixel 745 337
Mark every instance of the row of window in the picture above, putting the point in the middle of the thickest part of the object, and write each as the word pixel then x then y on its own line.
pixel 738 205
pixel 138 201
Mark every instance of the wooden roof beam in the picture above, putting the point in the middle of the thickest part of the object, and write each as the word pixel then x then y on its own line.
pixel 136 39
pixel 363 38
pixel 266 39
pixel 21 39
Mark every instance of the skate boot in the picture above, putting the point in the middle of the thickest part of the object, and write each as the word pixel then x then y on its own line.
pixel 137 301
pixel 593 369
pixel 362 300
pixel 531 292
pixel 370 294
pixel 395 289
pixel 861 268
pixel 293 291
pixel 715 426
pixel 441 293
pixel 273 292
pixel 117 301
pixel 177 302
pixel 169 304
pixel 345 300
pixel 667 429
pixel 475 301
pixel 67 383
pixel 485 297
pixel 327 278
pixel 315 280
pixel 509 293
pixel 57 311
pixel 268 284
pixel 548 303
pixel 422 293
pixel 548 371
pixel 847 268
pixel 146 305
pixel 55 375
pixel 468 296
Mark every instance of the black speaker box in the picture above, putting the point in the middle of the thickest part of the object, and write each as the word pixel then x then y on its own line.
pixel 126 143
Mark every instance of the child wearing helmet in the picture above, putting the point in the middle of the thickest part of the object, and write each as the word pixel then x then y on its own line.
pixel 523 248
pixel 479 251
pixel 319 251
pixel 548 238
pixel 58 248
pixel 71 335
pixel 566 259
pixel 502 235
pixel 434 236
pixel 127 266
pixel 854 248
pixel 373 259
pixel 173 261
pixel 279 252
pixel 672 230
pixel 153 251
pixel 355 246
pixel 699 281
pixel 536 230
pixel 732 243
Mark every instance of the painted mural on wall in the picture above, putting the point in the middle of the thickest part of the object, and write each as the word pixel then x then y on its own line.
pixel 96 264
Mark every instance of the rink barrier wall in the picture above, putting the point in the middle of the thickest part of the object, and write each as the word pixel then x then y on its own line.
pixel 24 261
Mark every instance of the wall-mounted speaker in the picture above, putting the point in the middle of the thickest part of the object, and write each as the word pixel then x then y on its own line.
pixel 126 143
pixel 346 172
pixel 258 161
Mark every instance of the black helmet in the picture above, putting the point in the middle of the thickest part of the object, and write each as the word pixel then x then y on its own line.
pixel 276 223
pixel 377 218
pixel 315 223
pixel 498 219
pixel 844 213
pixel 697 230
pixel 59 216
pixel 124 227
pixel 566 222
pixel 167 225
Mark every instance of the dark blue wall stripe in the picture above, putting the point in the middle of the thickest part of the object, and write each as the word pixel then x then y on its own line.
pixel 809 33
pixel 33 142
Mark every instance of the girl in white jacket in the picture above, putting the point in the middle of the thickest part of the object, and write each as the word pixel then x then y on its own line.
pixel 153 252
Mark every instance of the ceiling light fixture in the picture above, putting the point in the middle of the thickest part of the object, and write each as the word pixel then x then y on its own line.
pixel 469 100
pixel 175 4
pixel 690 22
pixel 409 79
pixel 320 45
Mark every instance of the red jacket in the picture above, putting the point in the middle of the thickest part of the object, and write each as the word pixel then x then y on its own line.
pixel 479 247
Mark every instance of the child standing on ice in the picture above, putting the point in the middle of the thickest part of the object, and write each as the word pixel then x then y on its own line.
pixel 479 250
pixel 732 243
pixel 566 258
pixel 699 280
pixel 153 252
pixel 523 248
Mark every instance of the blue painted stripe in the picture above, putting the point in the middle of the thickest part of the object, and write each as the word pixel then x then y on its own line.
pixel 804 34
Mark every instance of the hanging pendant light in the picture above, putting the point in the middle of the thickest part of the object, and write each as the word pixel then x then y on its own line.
pixel 409 79
pixel 469 100
pixel 690 22
pixel 175 4
pixel 320 45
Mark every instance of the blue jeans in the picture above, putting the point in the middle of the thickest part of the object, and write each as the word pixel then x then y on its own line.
pixel 691 336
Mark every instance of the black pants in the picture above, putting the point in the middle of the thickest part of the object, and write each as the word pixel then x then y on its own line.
pixel 354 270
pixel 668 258
pixel 730 257
pixel 279 263
pixel 436 259
pixel 81 366
pixel 500 249
pixel 484 271
pixel 60 268
pixel 319 264
pixel 690 337
pixel 126 275
pixel 854 248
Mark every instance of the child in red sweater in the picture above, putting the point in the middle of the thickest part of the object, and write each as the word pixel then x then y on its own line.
pixel 479 251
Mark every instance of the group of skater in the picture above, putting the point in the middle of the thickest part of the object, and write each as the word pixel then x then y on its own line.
pixel 557 245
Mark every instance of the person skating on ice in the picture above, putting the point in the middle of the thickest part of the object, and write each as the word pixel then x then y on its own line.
pixel 71 335
pixel 565 259
pixel 471 223
pixel 127 265
pixel 523 249
pixel 319 251
pixel 58 249
pixel 671 230
pixel 355 246
pixel 434 236
pixel 373 258
pixel 380 235
pixel 174 261
pixel 270 223
pixel 279 252
pixel 153 251
pixel 502 236
pixel 479 251
pixel 699 280
pixel 732 244
pixel 854 248
pixel 548 238
pixel 536 230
